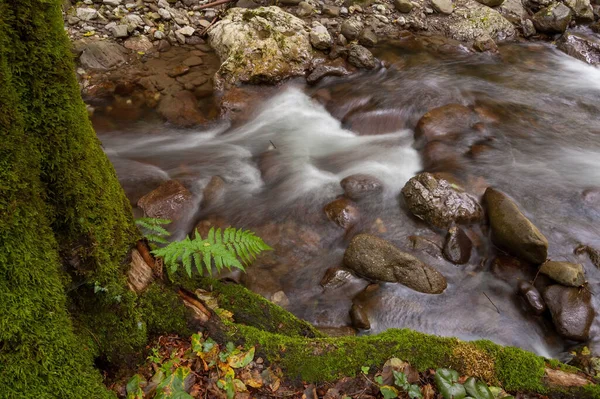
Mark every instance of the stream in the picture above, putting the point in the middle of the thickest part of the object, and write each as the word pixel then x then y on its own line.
pixel 538 141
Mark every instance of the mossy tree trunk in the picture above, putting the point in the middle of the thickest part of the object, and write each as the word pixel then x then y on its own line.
pixel 65 225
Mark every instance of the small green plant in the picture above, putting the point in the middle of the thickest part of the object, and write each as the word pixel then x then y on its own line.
pixel 153 229
pixel 401 383
pixel 447 383
pixel 222 247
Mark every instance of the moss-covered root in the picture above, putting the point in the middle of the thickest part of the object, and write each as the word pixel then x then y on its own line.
pixel 262 324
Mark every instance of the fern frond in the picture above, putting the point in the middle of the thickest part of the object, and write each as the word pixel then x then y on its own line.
pixel 153 230
pixel 221 247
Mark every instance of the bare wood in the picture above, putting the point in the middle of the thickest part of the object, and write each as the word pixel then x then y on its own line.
pixel 143 249
pixel 191 301
pixel 140 274
pixel 208 27
pixel 214 3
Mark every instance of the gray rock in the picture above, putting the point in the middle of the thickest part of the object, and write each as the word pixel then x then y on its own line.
pixel 377 259
pixel 304 9
pixel 513 10
pixel 403 6
pixel 443 6
pixel 186 31
pixel 439 202
pixel 533 299
pixel 528 28
pixel 331 11
pixel 158 35
pixel 86 13
pixel 359 186
pixel 582 10
pixel 580 45
pixel 571 310
pixel 290 2
pixel 565 273
pixel 512 231
pixel 134 21
pixel 73 20
pixel 138 43
pixel 367 38
pixel 361 57
pixel 112 3
pixel 359 318
pixel 102 55
pixel 351 28
pixel 325 70
pixel 553 19
pixel 491 3
pixel 320 37
pixel 119 31
pixel 458 246
pixel 239 38
pixel 164 14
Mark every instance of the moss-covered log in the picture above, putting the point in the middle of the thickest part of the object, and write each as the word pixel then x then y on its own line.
pixel 65 225
pixel 305 354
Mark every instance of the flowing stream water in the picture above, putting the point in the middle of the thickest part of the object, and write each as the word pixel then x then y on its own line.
pixel 539 142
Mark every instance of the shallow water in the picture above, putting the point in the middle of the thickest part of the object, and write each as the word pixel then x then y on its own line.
pixel 541 143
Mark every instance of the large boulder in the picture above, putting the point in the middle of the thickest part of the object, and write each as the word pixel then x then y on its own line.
pixel 265 45
pixel 439 202
pixel 583 46
pixel 512 231
pixel 103 55
pixel 553 19
pixel 471 21
pixel 565 273
pixel 582 10
pixel 378 259
pixel 571 310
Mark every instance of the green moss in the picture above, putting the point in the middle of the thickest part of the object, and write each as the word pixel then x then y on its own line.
pixel 163 311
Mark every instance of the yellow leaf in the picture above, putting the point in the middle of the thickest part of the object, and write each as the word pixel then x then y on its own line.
pixel 254 383
pixel 241 360
pixel 239 386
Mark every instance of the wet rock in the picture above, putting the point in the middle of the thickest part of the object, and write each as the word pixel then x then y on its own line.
pixel 279 298
pixel 342 212
pixel 582 10
pixel 335 277
pixel 378 259
pixel 351 28
pixel 553 19
pixel 367 38
pixel 138 179
pixel 512 231
pixel 330 10
pixel 102 55
pixel 359 318
pixel 403 6
pixel 179 70
pixel 139 43
pixel 458 246
pixel 440 203
pixel 584 47
pixel 324 70
pixel 491 3
pixel 213 192
pixel 592 253
pixel 438 155
pixel 181 109
pixel 442 6
pixel 443 121
pixel 565 273
pixel 361 57
pixel 262 45
pixel 533 298
pixel 485 43
pixel 528 28
pixel 192 61
pixel 359 186
pixel 304 9
pixel 571 310
pixel 169 201
pixel 320 37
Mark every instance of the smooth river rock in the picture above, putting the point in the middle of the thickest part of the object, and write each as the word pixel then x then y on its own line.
pixel 533 298
pixel 378 259
pixel 512 231
pixel 169 201
pixel 440 203
pixel 342 212
pixel 359 318
pixel 443 121
pixel 565 273
pixel 359 186
pixel 458 246
pixel 571 310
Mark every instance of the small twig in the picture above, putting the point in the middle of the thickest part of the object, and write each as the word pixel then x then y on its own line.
pixel 497 310
pixel 273 144
pixel 208 27
pixel 214 3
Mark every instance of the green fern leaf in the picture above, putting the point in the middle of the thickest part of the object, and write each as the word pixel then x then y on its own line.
pixel 211 236
pixel 207 261
pixel 198 262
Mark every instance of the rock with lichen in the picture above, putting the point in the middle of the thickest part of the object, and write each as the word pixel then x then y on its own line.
pixel 263 45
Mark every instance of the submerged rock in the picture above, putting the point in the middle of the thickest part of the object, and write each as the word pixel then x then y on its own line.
pixel 335 277
pixel 168 201
pixel 440 203
pixel 565 273
pixel 342 212
pixel 458 246
pixel 102 55
pixel 181 109
pixel 359 186
pixel 266 45
pixel 512 231
pixel 533 298
pixel 553 19
pixel 584 47
pixel 378 259
pixel 359 318
pixel 441 122
pixel 571 311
